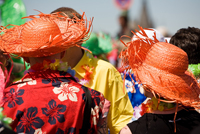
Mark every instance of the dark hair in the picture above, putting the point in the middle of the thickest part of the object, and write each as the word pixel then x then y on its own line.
pixel 70 12
pixel 188 39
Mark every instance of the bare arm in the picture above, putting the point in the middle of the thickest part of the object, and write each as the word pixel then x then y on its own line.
pixel 125 130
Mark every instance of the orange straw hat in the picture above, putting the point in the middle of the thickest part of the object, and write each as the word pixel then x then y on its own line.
pixel 44 35
pixel 162 68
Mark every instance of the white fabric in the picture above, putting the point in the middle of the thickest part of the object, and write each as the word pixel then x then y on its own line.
pixel 150 34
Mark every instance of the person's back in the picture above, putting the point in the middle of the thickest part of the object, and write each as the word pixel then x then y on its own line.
pixel 48 99
pixel 53 104
pixel 103 77
pixel 149 123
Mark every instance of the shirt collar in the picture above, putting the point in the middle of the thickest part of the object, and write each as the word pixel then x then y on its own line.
pixel 85 60
pixel 48 74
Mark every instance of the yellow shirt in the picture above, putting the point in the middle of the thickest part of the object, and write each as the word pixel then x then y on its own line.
pixel 107 80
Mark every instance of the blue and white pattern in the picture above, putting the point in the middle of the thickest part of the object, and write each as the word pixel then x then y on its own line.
pixel 54 112
pixel 14 97
pixel 28 120
pixel 133 89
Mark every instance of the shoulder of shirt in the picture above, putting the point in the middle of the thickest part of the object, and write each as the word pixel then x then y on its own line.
pixel 105 64
pixel 102 66
pixel 107 67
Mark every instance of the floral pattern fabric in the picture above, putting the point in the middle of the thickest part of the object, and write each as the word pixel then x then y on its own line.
pixel 135 94
pixel 66 92
pixel 104 77
pixel 50 105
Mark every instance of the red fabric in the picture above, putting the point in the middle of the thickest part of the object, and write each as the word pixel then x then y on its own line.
pixel 38 105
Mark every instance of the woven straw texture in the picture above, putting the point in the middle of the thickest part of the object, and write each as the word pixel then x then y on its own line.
pixel 162 67
pixel 44 35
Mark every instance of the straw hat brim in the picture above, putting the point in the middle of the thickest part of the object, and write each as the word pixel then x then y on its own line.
pixel 169 85
pixel 43 37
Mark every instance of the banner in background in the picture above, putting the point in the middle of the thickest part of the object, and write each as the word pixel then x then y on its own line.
pixel 123 4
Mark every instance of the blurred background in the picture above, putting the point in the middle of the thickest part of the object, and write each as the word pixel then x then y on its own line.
pixel 170 15
pixel 112 19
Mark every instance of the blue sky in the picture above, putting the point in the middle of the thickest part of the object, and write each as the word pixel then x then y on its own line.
pixel 173 14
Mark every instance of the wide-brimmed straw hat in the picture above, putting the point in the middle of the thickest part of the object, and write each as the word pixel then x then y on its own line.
pixel 44 35
pixel 162 68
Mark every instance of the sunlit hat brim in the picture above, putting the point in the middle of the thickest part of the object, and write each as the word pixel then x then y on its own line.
pixel 42 36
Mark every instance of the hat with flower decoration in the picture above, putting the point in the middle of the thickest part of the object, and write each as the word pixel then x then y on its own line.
pixel 44 35
pixel 162 68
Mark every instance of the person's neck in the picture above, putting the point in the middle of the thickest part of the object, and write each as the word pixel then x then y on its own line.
pixel 73 55
pixel 35 60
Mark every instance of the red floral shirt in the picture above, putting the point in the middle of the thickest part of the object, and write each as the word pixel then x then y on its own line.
pixel 51 102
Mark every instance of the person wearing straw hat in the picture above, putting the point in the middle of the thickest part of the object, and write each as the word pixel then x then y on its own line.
pixel 101 76
pixel 133 87
pixel 48 99
pixel 173 91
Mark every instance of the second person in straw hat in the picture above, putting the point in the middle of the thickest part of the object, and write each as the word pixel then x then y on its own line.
pixel 173 92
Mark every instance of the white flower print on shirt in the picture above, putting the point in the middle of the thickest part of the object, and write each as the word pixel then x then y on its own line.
pixel 95 114
pixel 66 92
pixel 39 131
pixel 129 86
pixel 29 81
